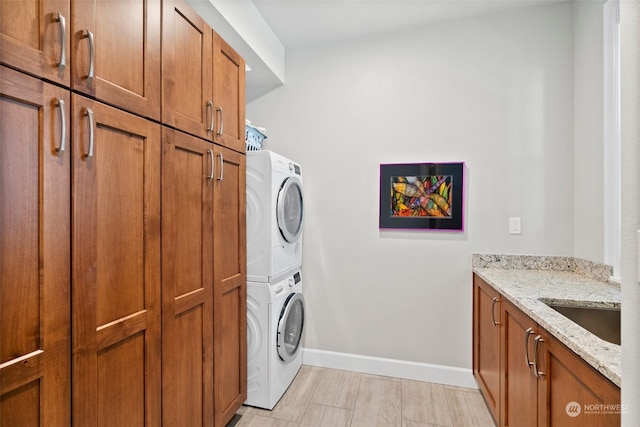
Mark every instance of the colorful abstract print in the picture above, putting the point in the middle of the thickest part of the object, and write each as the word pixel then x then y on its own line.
pixel 421 196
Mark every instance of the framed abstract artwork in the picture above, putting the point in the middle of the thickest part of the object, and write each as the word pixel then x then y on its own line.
pixel 421 195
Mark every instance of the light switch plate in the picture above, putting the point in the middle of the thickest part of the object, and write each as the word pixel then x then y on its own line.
pixel 515 227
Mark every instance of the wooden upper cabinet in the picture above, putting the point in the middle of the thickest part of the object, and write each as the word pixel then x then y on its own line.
pixel 203 79
pixel 35 38
pixel 187 70
pixel 187 280
pixel 34 252
pixel 230 290
pixel 116 53
pixel 228 95
pixel 115 267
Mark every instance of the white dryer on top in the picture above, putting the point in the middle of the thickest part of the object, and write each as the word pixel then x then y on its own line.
pixel 274 215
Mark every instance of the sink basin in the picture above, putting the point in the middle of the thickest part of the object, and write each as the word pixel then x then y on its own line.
pixel 604 322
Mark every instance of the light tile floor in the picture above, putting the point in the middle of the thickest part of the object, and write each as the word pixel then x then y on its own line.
pixel 321 397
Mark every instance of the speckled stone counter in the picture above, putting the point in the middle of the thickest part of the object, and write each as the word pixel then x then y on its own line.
pixel 527 281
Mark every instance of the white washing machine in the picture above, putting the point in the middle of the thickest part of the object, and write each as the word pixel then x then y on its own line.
pixel 274 215
pixel 275 322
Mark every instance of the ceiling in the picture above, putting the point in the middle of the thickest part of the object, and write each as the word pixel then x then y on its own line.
pixel 263 31
pixel 304 23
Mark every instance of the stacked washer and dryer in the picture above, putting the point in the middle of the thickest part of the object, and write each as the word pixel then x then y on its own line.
pixel 275 305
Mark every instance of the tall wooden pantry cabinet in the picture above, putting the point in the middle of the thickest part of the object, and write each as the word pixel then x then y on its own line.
pixel 115 266
pixel 187 279
pixel 35 252
pixel 229 285
pixel 203 100
pixel 122 232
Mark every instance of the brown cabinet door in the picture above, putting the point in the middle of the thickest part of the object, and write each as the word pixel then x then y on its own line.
pixel 124 49
pixel 115 267
pixel 34 253
pixel 518 388
pixel 486 343
pixel 571 392
pixel 187 70
pixel 187 280
pixel 230 290
pixel 35 37
pixel 228 95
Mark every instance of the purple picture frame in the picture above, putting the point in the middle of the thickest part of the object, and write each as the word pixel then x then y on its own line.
pixel 422 196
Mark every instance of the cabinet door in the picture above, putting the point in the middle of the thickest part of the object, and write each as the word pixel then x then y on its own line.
pixel 35 37
pixel 34 253
pixel 518 388
pixel 120 62
pixel 116 267
pixel 230 288
pixel 187 70
pixel 228 95
pixel 187 280
pixel 486 343
pixel 571 392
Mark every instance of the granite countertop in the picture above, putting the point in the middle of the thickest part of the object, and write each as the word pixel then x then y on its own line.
pixel 527 284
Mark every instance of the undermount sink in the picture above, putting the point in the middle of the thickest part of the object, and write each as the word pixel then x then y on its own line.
pixel 604 322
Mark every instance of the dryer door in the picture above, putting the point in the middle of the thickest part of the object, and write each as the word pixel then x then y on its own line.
pixel 290 325
pixel 289 209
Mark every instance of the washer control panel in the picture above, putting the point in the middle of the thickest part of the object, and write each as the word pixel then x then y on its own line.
pixel 285 284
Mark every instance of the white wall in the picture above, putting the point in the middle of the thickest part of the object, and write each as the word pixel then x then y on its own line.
pixel 589 131
pixel 496 92
pixel 630 135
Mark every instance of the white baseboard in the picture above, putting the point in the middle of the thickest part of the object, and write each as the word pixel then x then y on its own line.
pixel 390 367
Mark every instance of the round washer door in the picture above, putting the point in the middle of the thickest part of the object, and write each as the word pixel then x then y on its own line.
pixel 290 325
pixel 289 209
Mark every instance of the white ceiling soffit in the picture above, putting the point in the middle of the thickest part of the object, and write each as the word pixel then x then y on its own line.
pixel 261 30
pixel 303 23
pixel 244 28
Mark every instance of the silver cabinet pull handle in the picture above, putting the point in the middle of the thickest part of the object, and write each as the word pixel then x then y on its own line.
pixel 89 113
pixel 92 55
pixel 210 114
pixel 537 340
pixel 210 177
pixel 493 315
pixel 63 126
pixel 221 121
pixel 62 25
pixel 221 177
pixel 527 334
